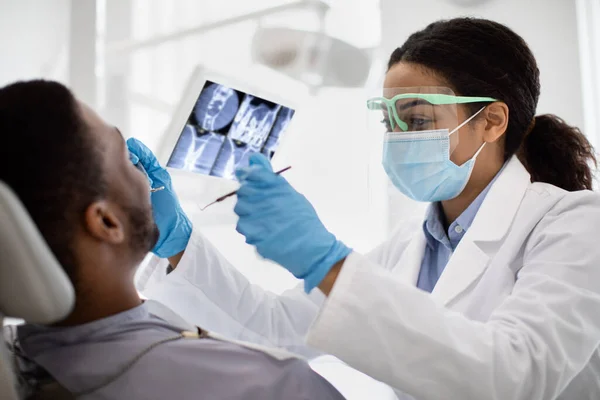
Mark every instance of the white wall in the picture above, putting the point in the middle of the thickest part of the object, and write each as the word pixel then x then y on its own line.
pixel 589 47
pixel 548 26
pixel 33 39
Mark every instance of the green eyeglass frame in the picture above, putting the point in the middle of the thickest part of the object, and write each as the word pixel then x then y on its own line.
pixel 433 98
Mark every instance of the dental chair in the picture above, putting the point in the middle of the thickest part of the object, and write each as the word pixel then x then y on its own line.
pixel 33 287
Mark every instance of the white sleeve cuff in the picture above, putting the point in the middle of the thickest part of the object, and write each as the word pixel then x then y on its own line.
pixel 339 305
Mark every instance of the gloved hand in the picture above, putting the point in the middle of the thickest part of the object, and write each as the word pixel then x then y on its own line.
pixel 283 225
pixel 174 226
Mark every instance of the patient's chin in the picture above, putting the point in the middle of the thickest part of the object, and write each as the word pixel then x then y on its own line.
pixel 144 231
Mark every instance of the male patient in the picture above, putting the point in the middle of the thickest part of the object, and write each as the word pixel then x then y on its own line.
pixel 73 173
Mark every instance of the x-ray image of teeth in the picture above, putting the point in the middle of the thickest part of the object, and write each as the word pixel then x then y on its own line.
pixel 224 128
pixel 281 123
pixel 253 122
pixel 231 156
pixel 196 152
pixel 216 107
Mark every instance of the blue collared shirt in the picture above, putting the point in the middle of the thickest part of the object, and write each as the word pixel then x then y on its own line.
pixel 441 244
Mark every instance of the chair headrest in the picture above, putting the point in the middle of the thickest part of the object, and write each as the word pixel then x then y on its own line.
pixel 33 286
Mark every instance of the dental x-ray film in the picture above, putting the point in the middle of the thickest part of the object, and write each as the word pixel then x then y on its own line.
pixel 224 128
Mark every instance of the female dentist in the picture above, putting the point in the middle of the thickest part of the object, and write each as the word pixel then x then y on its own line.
pixel 495 295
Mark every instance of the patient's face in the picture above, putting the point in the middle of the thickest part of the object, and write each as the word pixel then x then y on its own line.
pixel 128 194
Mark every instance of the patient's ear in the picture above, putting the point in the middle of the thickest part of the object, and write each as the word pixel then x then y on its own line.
pixel 102 223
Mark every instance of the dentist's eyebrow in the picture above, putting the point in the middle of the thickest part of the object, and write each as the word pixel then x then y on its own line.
pixel 413 103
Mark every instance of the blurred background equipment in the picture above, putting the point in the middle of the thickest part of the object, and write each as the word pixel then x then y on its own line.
pixel 314 58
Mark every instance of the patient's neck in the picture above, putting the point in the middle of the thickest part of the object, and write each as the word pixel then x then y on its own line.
pixel 102 297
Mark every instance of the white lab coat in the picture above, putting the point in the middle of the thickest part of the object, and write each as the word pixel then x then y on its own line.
pixel 515 314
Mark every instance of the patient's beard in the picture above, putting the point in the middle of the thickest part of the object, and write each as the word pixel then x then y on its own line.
pixel 144 232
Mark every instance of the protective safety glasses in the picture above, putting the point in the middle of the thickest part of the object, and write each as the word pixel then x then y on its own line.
pixel 399 109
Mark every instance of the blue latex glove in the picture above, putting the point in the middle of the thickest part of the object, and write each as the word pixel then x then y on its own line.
pixel 283 225
pixel 136 161
pixel 174 226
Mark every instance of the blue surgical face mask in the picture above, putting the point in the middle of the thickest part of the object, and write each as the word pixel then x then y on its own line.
pixel 418 164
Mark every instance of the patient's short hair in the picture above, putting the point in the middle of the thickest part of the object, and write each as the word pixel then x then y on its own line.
pixel 49 159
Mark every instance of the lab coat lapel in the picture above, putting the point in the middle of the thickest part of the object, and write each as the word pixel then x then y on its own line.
pixel 465 266
pixel 412 257
pixel 491 224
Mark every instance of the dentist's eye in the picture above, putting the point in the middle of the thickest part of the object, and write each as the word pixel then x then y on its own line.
pixel 417 123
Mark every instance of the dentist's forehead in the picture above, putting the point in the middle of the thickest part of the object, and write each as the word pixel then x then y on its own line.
pixel 412 75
